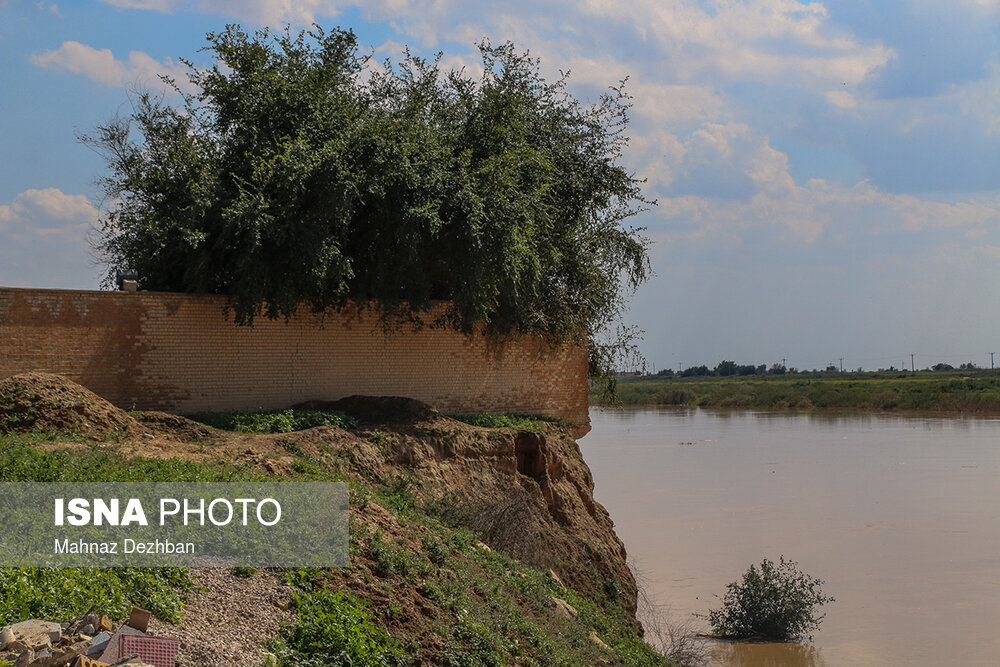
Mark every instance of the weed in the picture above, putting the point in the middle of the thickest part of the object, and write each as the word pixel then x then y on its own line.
pixel 334 628
pixel 392 560
pixel 437 550
pixel 64 592
pixel 475 645
pixel 508 420
pixel 274 421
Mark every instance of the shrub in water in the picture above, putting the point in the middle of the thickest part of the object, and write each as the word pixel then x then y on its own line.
pixel 772 602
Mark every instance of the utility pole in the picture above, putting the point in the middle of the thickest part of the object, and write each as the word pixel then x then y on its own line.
pixel 841 364
pixel 991 361
pixel 911 362
pixel 679 366
pixel 782 362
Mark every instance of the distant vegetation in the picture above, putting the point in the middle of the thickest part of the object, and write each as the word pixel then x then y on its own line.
pixel 941 388
pixel 731 369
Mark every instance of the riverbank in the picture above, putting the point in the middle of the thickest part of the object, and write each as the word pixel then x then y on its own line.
pixel 469 545
pixel 921 391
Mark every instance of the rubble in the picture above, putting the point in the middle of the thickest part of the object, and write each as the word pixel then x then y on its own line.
pixel 90 640
pixel 138 619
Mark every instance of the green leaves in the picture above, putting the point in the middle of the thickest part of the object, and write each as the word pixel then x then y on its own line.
pixel 301 174
pixel 772 602
pixel 335 628
pixel 274 421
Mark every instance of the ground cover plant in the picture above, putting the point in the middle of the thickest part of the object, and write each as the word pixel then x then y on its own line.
pixel 274 421
pixel 334 628
pixel 507 420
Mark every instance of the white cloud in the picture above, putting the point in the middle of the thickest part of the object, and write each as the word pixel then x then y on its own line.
pixel 158 5
pixel 46 212
pixel 726 181
pixel 841 99
pixel 100 65
pixel 43 240
pixel 754 40
pixel 759 40
pixel 821 208
pixel 981 99
pixel 262 12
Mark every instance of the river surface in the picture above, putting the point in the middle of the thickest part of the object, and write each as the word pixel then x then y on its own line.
pixel 899 515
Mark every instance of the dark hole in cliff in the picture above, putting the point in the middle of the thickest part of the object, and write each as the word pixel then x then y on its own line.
pixel 528 452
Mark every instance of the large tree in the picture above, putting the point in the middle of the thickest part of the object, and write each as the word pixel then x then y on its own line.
pixel 299 173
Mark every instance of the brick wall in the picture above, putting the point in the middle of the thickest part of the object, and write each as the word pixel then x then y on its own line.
pixel 182 353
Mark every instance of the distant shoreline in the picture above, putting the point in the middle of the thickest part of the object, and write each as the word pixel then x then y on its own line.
pixel 977 392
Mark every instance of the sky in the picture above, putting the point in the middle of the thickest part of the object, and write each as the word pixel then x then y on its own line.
pixel 827 173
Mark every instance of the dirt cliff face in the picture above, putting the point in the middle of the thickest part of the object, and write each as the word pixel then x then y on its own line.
pixel 528 494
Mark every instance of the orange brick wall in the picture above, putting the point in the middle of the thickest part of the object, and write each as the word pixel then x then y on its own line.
pixel 182 353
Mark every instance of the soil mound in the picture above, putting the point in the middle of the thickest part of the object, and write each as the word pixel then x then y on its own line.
pixel 376 409
pixel 49 402
pixel 175 425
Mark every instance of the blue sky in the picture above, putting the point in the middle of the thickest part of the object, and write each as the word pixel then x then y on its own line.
pixel 828 174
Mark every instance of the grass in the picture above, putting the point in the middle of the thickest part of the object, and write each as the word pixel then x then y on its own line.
pixel 508 420
pixel 503 616
pixel 59 593
pixel 274 421
pixel 922 391
pixel 485 607
pixel 334 628
pixel 64 592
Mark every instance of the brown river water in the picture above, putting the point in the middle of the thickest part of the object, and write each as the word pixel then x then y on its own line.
pixel 900 515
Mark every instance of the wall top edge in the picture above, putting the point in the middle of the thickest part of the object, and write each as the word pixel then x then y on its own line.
pixel 140 294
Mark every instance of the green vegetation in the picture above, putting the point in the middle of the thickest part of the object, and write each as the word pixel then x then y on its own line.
pixel 20 462
pixel 64 592
pixel 297 175
pixel 972 392
pixel 773 603
pixel 422 576
pixel 67 592
pixel 274 421
pixel 509 420
pixel 334 628
pixel 488 622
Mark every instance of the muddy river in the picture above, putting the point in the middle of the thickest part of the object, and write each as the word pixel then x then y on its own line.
pixel 899 515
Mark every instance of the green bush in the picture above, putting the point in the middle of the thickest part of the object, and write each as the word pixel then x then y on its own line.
pixel 475 645
pixel 773 602
pixel 274 421
pixel 57 593
pixel 334 628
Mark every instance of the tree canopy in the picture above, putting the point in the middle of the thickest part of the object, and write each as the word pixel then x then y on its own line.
pixel 300 173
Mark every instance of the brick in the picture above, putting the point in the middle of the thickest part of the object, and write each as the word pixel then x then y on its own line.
pixel 181 353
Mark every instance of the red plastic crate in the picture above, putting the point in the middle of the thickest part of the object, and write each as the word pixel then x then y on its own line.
pixel 158 651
